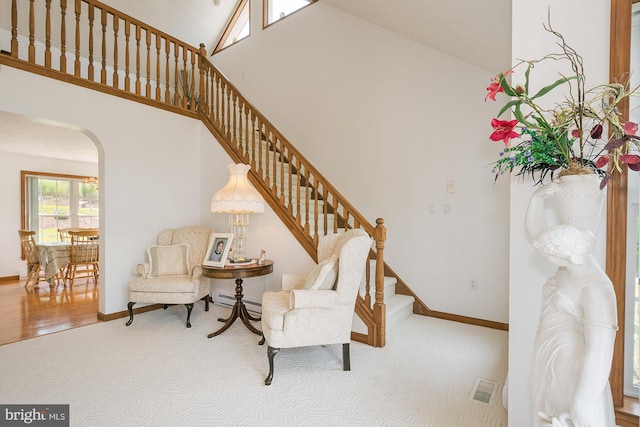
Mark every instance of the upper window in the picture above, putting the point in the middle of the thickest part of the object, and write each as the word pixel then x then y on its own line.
pixel 275 10
pixel 238 28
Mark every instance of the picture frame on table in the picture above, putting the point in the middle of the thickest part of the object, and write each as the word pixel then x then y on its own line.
pixel 218 250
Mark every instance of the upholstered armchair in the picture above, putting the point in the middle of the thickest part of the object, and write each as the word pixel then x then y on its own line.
pixel 317 309
pixel 173 272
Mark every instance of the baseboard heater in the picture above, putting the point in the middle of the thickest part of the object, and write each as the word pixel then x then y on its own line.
pixel 227 300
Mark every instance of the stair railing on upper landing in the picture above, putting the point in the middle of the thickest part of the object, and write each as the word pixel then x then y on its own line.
pixel 88 43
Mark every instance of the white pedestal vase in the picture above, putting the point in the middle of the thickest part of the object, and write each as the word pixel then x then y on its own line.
pixel 579 201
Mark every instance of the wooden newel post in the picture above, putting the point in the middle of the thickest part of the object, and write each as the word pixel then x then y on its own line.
pixel 379 309
pixel 202 55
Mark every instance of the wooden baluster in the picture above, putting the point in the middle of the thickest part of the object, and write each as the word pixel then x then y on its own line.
pixel 298 188
pixel 138 62
pixel 219 107
pixel 225 109
pixel 116 25
pixel 208 101
pixel 203 104
pixel 242 136
pixel 273 139
pixel 103 71
pixel 367 283
pixel 244 125
pixel 91 69
pixel 193 102
pixel 185 82
pixel 255 129
pixel 267 154
pixel 325 210
pixel 233 110
pixel 148 85
pixel 63 35
pixel 76 64
pixel 313 221
pixel 347 217
pixel 158 45
pixel 47 34
pixel 252 137
pixel 335 214
pixel 127 56
pixel 176 80
pixel 167 91
pixel 280 160
pixel 14 29
pixel 32 35
pixel 307 195
pixel 290 183
pixel 379 309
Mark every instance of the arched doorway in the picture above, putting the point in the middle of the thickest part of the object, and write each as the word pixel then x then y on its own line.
pixel 68 154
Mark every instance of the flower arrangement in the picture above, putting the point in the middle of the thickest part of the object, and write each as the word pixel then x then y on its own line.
pixel 569 136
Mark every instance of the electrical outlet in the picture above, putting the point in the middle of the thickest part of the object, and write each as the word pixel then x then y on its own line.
pixel 473 284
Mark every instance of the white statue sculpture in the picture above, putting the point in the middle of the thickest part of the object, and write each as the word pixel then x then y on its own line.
pixel 574 342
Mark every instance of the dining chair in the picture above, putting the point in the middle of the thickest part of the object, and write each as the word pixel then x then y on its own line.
pixel 84 255
pixel 30 253
pixel 63 234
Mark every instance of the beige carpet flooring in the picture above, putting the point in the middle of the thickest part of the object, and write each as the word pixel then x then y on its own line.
pixel 158 373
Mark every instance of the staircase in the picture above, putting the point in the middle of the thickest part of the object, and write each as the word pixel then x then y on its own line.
pixel 399 307
pixel 119 55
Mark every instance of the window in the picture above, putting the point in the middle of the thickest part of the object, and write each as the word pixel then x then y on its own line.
pixel 51 201
pixel 275 10
pixel 238 28
pixel 632 323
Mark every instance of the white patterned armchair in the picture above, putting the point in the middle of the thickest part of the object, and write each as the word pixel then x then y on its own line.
pixel 317 309
pixel 173 272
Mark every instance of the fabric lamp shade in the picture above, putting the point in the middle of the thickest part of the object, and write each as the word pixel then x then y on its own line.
pixel 238 195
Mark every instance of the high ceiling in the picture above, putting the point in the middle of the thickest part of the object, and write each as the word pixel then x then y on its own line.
pixel 475 31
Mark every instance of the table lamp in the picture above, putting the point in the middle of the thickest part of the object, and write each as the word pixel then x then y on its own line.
pixel 238 198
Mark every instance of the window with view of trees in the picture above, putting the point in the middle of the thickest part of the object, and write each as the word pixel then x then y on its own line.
pixel 52 201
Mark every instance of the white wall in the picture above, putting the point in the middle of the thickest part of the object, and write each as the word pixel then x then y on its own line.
pixel 585 25
pixel 389 122
pixel 10 167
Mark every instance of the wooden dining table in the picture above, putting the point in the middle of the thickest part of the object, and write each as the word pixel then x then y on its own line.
pixel 54 257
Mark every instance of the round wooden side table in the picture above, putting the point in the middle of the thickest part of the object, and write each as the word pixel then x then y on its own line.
pixel 238 272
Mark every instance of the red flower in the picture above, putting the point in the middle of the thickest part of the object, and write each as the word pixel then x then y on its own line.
pixel 494 88
pixel 576 133
pixel 503 130
pixel 602 160
pixel 630 128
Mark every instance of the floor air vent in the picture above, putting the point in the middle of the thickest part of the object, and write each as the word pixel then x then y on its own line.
pixel 483 390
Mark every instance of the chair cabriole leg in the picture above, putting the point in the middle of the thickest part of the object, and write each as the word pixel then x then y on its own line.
pixel 271 352
pixel 130 308
pixel 346 359
pixel 189 308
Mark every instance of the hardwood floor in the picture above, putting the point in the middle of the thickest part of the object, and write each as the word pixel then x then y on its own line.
pixel 25 315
